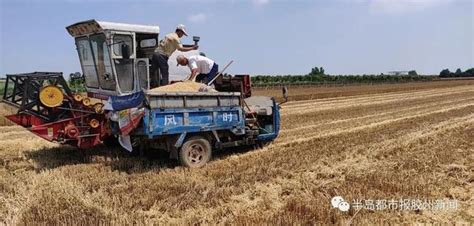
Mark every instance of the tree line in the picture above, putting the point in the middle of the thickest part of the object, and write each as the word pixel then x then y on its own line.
pixel 318 75
pixel 458 73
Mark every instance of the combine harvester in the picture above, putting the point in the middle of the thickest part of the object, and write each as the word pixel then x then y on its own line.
pixel 119 105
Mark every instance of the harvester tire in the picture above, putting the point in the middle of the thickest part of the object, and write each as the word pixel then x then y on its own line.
pixel 111 142
pixel 195 152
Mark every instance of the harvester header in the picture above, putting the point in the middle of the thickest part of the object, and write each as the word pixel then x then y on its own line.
pixel 49 109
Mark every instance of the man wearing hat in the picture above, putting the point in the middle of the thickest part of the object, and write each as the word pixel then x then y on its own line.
pixel 170 43
pixel 202 68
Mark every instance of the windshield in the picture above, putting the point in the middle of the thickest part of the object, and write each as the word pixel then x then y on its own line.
pixel 95 61
pixel 102 59
pixel 87 62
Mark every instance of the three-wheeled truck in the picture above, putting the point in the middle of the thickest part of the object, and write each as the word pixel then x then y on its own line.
pixel 119 105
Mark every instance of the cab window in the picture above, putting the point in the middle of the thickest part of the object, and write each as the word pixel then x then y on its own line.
pixel 87 62
pixel 119 40
pixel 123 67
pixel 102 59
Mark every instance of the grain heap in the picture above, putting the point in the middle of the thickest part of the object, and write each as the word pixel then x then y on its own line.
pixel 186 86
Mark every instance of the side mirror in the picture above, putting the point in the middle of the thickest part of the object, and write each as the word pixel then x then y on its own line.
pixel 125 51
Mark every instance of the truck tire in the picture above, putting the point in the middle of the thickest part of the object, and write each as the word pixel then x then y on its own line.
pixel 195 152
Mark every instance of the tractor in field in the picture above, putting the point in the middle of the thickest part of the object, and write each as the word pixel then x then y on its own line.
pixel 118 104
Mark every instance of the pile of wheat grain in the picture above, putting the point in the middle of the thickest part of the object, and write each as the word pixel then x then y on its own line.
pixel 186 86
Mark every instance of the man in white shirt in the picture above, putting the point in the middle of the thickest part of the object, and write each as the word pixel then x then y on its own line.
pixel 202 68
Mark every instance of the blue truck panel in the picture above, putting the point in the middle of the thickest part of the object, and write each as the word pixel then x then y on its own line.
pixel 187 120
pixel 272 135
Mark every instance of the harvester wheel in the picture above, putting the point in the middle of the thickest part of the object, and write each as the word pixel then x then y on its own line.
pixel 78 97
pixel 99 108
pixel 111 141
pixel 86 101
pixel 195 152
pixel 94 123
pixel 51 96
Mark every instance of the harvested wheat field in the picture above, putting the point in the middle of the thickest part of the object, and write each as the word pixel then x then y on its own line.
pixel 304 93
pixel 6 110
pixel 401 142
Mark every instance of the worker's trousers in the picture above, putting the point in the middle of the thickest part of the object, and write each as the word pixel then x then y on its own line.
pixel 206 78
pixel 159 61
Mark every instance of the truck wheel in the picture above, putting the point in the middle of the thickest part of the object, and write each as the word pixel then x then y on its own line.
pixel 195 152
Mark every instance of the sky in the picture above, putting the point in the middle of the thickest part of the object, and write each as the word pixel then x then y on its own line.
pixel 261 36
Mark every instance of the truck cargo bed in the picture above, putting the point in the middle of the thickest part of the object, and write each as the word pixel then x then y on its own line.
pixel 181 112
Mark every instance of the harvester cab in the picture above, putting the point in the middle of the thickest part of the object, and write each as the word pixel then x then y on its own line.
pixel 114 56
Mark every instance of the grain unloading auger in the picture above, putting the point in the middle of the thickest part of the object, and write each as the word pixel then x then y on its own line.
pixel 120 106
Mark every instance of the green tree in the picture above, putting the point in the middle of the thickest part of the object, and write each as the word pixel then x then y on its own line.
pixel 315 71
pixel 458 73
pixel 469 72
pixel 412 73
pixel 77 82
pixel 445 73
